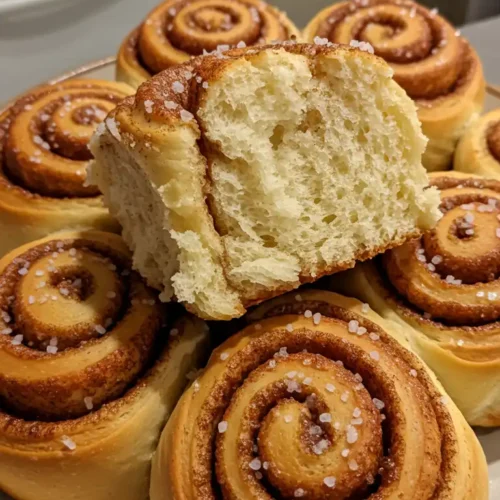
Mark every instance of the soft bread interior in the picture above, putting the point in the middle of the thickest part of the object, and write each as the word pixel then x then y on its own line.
pixel 156 193
pixel 311 163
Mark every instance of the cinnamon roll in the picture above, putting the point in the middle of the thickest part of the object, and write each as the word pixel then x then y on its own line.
pixel 293 154
pixel 317 399
pixel 88 371
pixel 478 151
pixel 431 61
pixel 43 160
pixel 176 30
pixel 444 290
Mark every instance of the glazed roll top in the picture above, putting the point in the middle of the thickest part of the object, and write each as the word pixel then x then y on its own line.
pixel 478 151
pixel 44 155
pixel 431 61
pixel 317 399
pixel 88 371
pixel 178 29
pixel 446 287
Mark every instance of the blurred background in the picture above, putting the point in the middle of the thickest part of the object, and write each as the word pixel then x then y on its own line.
pixel 42 38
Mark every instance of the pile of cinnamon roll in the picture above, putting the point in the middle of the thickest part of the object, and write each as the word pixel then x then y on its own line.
pixel 359 378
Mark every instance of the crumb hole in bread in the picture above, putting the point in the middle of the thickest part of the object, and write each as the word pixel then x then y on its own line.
pixel 310 121
pixel 360 187
pixel 329 218
pixel 361 137
pixel 269 241
pixel 277 137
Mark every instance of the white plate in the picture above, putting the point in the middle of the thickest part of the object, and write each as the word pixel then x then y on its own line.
pixel 490 439
pixel 13 6
pixel 7 6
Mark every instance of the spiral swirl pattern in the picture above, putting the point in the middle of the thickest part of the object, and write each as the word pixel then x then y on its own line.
pixel 316 401
pixel 45 135
pixel 444 290
pixel 423 48
pixel 179 29
pixel 452 273
pixel 431 61
pixel 64 305
pixel 44 156
pixel 478 151
pixel 88 370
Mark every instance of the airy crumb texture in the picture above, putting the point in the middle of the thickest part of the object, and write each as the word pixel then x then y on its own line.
pixel 298 161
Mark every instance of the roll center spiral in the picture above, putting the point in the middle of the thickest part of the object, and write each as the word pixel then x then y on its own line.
pixel 319 423
pixel 452 274
pixel 466 242
pixel 463 229
pixel 427 56
pixel 89 114
pixel 210 19
pixel 178 29
pixel 75 284
pixel 206 24
pixel 394 36
pixel 77 326
pixel 71 126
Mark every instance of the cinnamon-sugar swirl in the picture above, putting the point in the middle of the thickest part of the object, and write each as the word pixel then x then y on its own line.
pixel 43 160
pixel 317 399
pixel 478 151
pixel 179 29
pixel 445 290
pixel 89 371
pixel 431 61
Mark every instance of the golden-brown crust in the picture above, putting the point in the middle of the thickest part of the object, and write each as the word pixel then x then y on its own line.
pixel 431 61
pixel 250 427
pixel 189 79
pixel 102 397
pixel 493 140
pixel 128 64
pixel 478 151
pixel 43 151
pixel 178 29
pixel 444 288
pixel 333 269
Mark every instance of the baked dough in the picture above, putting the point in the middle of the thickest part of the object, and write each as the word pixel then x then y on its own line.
pixel 443 290
pixel 243 174
pixel 43 159
pixel 88 371
pixel 317 399
pixel 434 64
pixel 176 30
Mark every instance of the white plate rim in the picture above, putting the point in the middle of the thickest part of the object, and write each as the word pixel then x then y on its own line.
pixel 11 6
